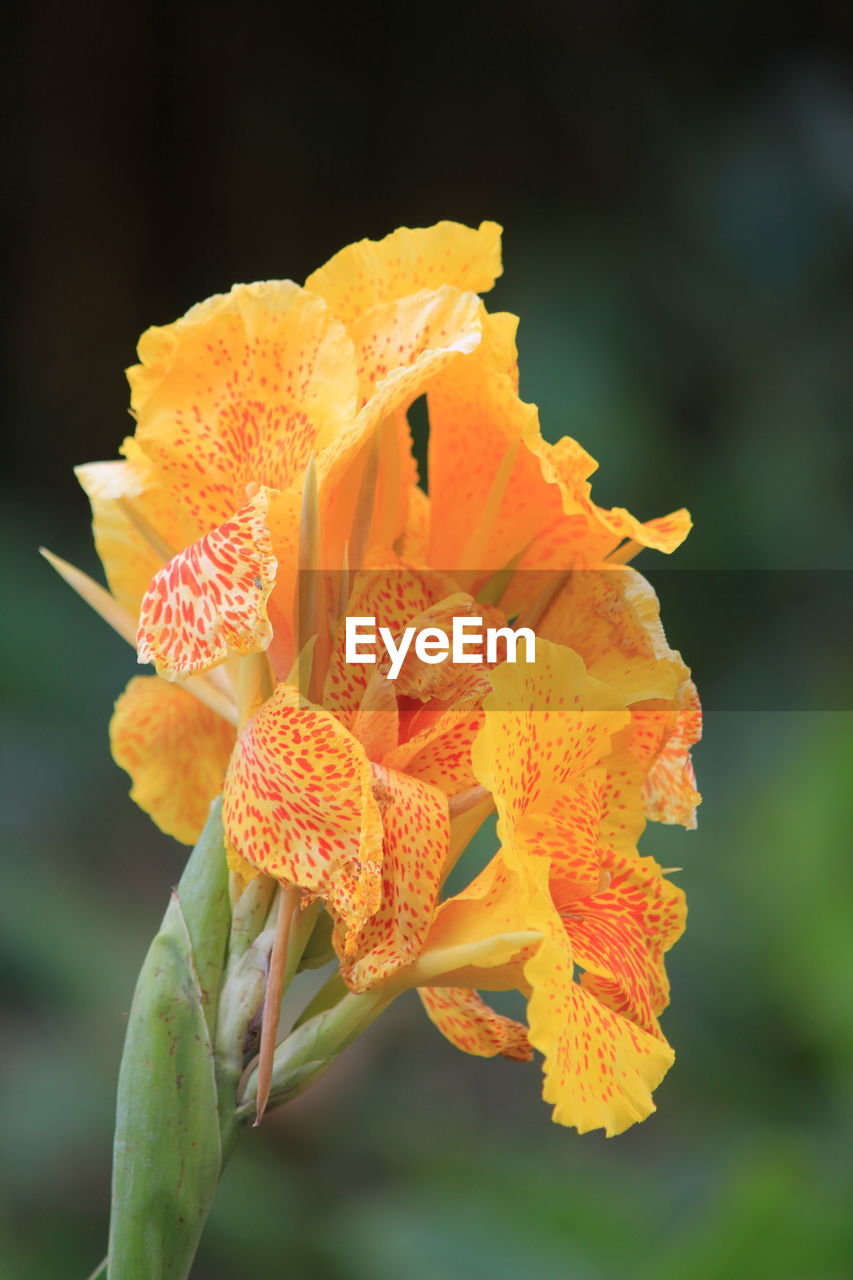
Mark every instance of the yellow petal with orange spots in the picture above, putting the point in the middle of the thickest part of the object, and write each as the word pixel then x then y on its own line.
pixel 298 805
pixel 547 723
pixel 600 1068
pixel 211 599
pixel 242 390
pixel 623 815
pixel 465 1019
pixel 564 826
pixel 437 747
pixel 176 751
pixel 619 935
pixel 406 261
pixel 670 791
pixel 413 335
pixel 416 836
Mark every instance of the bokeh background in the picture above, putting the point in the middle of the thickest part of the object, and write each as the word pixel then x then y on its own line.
pixel 676 184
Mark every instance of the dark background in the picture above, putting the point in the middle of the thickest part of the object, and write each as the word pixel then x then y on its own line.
pixel 676 185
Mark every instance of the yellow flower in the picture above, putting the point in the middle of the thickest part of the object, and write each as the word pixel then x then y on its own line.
pixel 269 491
pixel 554 754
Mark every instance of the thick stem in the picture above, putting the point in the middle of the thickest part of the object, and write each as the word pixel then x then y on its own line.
pixel 168 1149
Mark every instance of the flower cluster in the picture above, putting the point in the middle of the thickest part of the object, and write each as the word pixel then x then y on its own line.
pixel 268 493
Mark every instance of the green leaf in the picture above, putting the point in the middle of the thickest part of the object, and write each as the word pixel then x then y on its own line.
pixel 168 1150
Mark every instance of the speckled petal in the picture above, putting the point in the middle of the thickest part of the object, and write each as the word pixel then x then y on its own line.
pixel 546 724
pixel 670 792
pixel 468 1023
pixel 298 805
pixel 211 599
pixel 242 390
pixel 600 1069
pixel 416 837
pixel 176 751
pixel 619 936
pixel 406 261
pixel 413 336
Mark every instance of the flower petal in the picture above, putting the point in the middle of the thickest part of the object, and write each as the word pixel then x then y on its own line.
pixel 129 559
pixel 670 793
pixel 468 1023
pixel 412 335
pixel 564 827
pixel 406 261
pixel 242 389
pixel 394 595
pixel 600 1069
pixel 298 804
pixel 546 724
pixel 176 751
pixel 211 598
pixel 440 750
pixel 416 838
pixel 619 936
pixel 487 493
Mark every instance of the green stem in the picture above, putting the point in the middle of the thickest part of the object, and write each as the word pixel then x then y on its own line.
pixel 168 1149
pixel 313 1046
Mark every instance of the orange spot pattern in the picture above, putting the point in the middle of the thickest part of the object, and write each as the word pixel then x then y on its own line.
pixel 416 831
pixel 241 391
pixel 407 261
pixel 467 1021
pixel 566 823
pixel 350 800
pixel 670 789
pixel 211 598
pixel 298 805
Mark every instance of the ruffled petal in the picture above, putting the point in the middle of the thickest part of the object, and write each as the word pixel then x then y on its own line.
pixel 242 390
pixel 600 1068
pixel 298 805
pixel 619 935
pixel 176 751
pixel 411 337
pixel 568 466
pixel 488 496
pixel 415 844
pixel 211 599
pixel 406 261
pixel 465 1019
pixel 670 790
pixel 546 725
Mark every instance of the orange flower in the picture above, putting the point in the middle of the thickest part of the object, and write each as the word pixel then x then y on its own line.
pixel 270 491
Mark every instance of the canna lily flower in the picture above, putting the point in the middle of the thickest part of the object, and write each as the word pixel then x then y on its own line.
pixel 198 525
pixel 269 492
pixel 554 756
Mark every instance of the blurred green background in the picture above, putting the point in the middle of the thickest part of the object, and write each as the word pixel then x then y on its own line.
pixel 676 184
